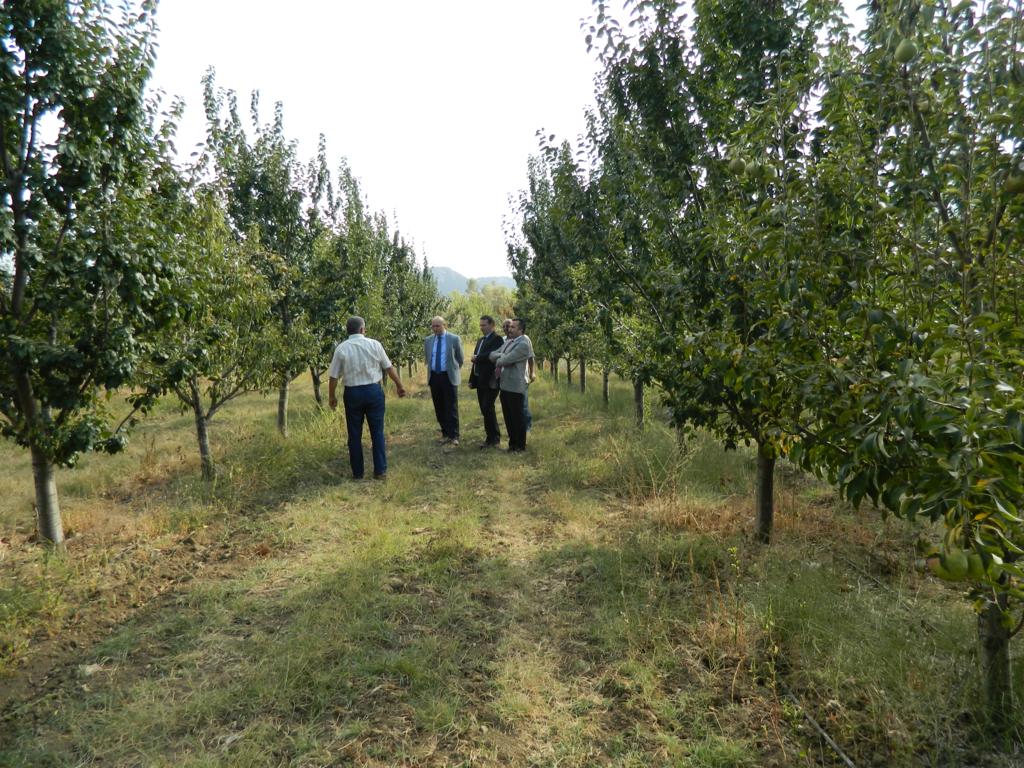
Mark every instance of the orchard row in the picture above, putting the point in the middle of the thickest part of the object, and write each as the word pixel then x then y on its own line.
pixel 122 271
pixel 812 242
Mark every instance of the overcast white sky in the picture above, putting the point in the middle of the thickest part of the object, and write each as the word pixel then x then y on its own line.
pixel 435 105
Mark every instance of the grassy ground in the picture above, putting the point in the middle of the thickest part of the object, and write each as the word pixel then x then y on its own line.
pixel 597 601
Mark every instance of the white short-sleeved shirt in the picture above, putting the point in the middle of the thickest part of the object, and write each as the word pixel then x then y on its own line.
pixel 359 361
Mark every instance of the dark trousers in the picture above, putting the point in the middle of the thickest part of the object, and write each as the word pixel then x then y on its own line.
pixel 366 402
pixel 515 419
pixel 487 397
pixel 446 404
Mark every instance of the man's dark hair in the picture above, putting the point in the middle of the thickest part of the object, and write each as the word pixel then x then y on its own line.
pixel 488 319
pixel 521 322
pixel 355 324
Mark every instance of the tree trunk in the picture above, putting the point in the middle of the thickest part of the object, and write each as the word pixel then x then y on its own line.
pixel 765 499
pixel 202 434
pixel 317 394
pixel 638 401
pixel 282 406
pixel 410 370
pixel 568 371
pixel 604 387
pixel 994 637
pixel 583 374
pixel 554 368
pixel 48 522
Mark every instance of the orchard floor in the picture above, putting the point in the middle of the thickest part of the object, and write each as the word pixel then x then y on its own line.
pixel 596 601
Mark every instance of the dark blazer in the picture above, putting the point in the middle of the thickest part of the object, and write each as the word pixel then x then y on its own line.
pixel 482 374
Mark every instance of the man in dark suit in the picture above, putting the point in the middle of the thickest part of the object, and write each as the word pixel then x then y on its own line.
pixel 443 353
pixel 481 378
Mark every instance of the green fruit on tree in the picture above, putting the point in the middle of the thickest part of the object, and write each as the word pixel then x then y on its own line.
pixel 936 567
pixel 753 170
pixel 1015 183
pixel 955 564
pixel 975 567
pixel 924 105
pixel 906 51
pixel 737 166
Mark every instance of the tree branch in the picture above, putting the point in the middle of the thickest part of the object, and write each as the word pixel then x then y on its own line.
pixel 936 193
pixel 216 404
pixel 1020 625
pixel 637 286
pixel 1000 209
pixel 821 731
pixel 185 398
pixel 135 409
pixel 28 119
pixel 28 153
pixel 5 161
pixel 8 414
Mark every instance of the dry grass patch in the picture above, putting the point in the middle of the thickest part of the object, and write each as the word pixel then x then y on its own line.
pixel 669 512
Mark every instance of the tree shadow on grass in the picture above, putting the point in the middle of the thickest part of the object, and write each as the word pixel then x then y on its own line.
pixel 445 654
pixel 380 659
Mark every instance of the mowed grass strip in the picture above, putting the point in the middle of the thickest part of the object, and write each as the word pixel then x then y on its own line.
pixel 597 601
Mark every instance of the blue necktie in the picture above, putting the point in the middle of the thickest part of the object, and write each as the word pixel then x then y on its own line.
pixel 437 354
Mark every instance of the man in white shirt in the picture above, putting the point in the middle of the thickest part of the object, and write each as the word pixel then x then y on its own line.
pixel 361 362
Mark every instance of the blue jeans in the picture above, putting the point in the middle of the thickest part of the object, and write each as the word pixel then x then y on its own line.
pixel 365 401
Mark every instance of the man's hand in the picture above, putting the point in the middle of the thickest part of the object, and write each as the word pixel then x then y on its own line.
pixel 398 382
pixel 332 393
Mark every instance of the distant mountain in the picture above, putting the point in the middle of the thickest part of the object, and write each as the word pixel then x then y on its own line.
pixel 449 280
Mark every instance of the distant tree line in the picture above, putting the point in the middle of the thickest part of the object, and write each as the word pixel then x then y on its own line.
pixel 464 309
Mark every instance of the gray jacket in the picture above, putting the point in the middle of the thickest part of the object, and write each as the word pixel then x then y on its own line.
pixel 512 358
pixel 453 361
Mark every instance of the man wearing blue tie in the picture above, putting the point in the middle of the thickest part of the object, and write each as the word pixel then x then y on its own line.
pixel 443 353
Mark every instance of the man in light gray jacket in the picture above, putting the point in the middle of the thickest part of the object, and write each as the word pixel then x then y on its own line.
pixel 510 369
